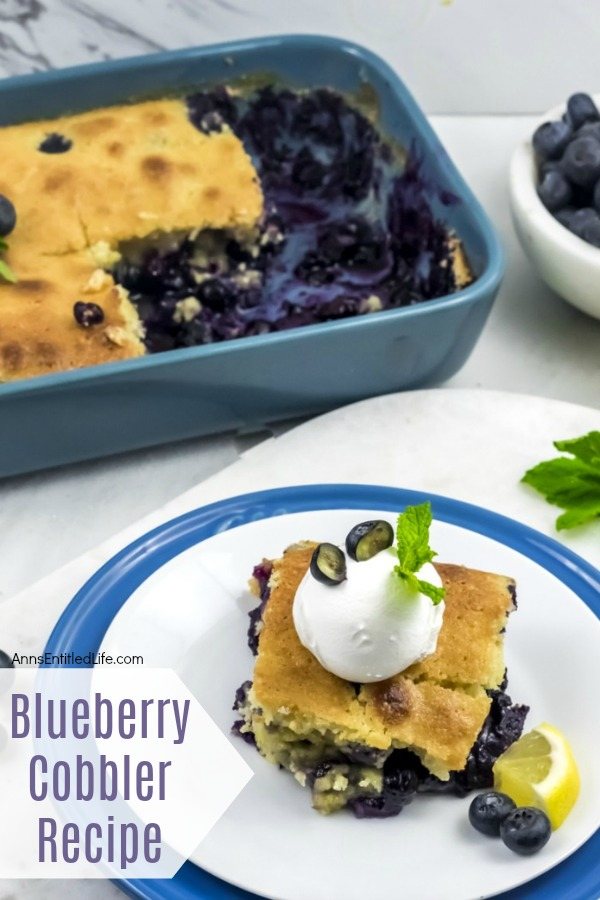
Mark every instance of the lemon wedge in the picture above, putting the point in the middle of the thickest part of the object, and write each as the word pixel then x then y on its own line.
pixel 540 770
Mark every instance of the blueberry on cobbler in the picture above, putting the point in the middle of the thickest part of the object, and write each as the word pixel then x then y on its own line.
pixel 328 564
pixel 8 216
pixel 367 539
pixel 55 143
pixel 88 314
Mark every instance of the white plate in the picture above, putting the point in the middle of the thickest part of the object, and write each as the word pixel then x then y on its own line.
pixel 191 615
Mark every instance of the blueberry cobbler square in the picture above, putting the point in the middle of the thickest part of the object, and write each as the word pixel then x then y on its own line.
pixel 225 214
pixel 372 744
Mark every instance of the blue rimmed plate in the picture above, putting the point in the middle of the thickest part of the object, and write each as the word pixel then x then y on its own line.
pixel 176 596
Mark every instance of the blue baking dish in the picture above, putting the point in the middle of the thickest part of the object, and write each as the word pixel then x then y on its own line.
pixel 243 384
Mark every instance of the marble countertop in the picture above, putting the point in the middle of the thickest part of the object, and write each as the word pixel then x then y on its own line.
pixel 424 39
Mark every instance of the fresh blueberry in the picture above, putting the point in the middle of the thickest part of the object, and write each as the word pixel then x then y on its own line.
pixel 328 564
pixel 549 165
pixel 367 539
pixel 581 161
pixel 592 129
pixel 596 196
pixel 8 216
pixel 581 108
pixel 487 811
pixel 585 223
pixel 551 139
pixel 55 143
pixel 554 190
pixel 6 660
pixel 526 830
pixel 565 216
pixel 88 314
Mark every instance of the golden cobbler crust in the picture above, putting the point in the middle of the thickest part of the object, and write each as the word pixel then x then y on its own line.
pixel 38 332
pixel 470 646
pixel 423 708
pixel 131 171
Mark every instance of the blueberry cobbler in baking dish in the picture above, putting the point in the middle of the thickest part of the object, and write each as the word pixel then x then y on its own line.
pixel 174 223
pixel 378 674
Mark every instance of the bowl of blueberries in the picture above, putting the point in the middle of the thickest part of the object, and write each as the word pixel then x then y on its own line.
pixel 555 200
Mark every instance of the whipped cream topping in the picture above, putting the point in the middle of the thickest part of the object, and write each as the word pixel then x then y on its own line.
pixel 372 625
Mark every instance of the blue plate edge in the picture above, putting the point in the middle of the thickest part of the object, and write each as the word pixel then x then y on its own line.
pixel 576 573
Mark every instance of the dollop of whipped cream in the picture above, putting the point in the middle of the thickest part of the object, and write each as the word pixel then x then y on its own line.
pixel 371 626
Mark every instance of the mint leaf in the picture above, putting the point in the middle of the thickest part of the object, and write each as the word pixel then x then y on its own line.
pixel 412 546
pixel 435 594
pixel 412 536
pixel 571 482
pixel 580 516
pixel 6 272
pixel 586 448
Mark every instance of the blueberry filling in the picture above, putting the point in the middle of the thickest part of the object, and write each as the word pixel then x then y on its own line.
pixel 262 573
pixel 237 728
pixel 404 776
pixel 55 143
pixel 347 229
pixel 400 785
pixel 502 727
pixel 210 110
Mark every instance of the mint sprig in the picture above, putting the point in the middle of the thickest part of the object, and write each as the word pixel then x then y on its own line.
pixel 571 482
pixel 5 270
pixel 412 545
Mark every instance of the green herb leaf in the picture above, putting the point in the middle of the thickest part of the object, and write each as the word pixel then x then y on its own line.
pixel 435 594
pixel 571 482
pixel 586 448
pixel 412 537
pixel 6 272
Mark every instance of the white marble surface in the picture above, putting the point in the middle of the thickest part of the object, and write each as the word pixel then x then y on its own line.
pixel 459 56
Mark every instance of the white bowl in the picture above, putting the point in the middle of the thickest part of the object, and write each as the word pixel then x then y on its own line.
pixel 568 264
